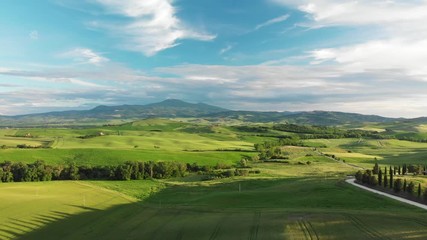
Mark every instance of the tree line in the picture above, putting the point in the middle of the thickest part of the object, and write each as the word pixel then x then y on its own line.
pixel 387 179
pixel 40 171
pixel 314 132
pixel 131 170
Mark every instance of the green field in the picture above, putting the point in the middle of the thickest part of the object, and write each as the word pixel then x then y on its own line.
pixel 364 151
pixel 149 140
pixel 304 197
pixel 29 206
pixel 265 208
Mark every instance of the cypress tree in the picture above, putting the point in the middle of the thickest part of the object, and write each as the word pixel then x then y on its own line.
pixel 398 170
pixel 376 168
pixel 410 188
pixel 385 177
pixel 391 178
pixel 425 194
pixel 404 169
pixel 419 189
pixel 397 185
pixel 385 182
pixel 394 170
pixel 404 185
pixel 380 177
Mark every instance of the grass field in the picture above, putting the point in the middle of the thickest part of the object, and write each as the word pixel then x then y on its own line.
pixel 113 156
pixel 28 206
pixel 365 151
pixel 265 208
pixel 303 198
pixel 152 139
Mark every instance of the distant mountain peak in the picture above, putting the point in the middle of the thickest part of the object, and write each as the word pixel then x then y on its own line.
pixel 171 103
pixel 173 100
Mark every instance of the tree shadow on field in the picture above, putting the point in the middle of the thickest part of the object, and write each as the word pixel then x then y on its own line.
pixel 245 209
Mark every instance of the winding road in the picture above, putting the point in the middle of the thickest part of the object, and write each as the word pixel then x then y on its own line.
pixel 351 181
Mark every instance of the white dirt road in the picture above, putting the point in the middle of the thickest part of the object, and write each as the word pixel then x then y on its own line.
pixel 351 181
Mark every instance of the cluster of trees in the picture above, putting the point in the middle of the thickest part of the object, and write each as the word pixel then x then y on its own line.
pixel 272 149
pixel 255 129
pixel 24 146
pixel 39 171
pixel 29 146
pixel 412 139
pixel 387 179
pixel 93 135
pixel 313 132
pixel 229 173
pixel 131 170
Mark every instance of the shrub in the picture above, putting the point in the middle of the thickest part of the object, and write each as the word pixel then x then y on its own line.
pixel 411 188
pixel 398 185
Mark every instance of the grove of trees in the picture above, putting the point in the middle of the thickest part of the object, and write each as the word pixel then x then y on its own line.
pixel 40 171
pixel 391 178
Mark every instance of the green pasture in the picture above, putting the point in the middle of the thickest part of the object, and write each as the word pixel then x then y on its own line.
pixel 366 152
pixel 151 140
pixel 102 157
pixel 14 141
pixel 302 197
pixel 263 208
pixel 147 140
pixel 28 206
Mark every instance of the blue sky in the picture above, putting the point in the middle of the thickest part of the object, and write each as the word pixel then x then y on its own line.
pixel 284 55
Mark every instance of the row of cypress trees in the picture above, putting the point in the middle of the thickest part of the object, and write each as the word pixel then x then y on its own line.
pixel 386 179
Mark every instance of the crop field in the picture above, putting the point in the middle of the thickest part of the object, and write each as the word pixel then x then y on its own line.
pixel 304 196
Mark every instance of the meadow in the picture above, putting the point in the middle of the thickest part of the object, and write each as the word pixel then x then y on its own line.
pixel 365 152
pixel 149 140
pixel 304 197
pixel 290 205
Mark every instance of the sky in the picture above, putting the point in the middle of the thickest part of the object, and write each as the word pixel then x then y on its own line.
pixel 365 56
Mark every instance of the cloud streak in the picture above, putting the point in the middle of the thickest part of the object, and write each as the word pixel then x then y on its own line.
pixel 86 56
pixel 149 27
pixel 272 21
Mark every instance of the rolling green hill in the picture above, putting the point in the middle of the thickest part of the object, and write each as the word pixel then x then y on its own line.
pixel 170 108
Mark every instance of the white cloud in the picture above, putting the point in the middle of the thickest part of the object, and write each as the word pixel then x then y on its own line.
pixel 34 35
pixel 397 43
pixel 404 55
pixel 152 26
pixel 362 12
pixel 50 76
pixel 298 88
pixel 85 55
pixel 252 87
pixel 272 21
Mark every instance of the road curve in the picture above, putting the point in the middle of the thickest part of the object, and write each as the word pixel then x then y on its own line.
pixel 351 181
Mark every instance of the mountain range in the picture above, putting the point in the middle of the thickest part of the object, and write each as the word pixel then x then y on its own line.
pixel 172 108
